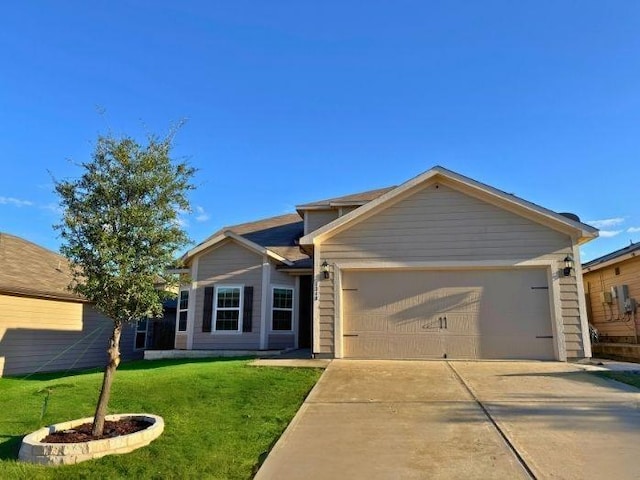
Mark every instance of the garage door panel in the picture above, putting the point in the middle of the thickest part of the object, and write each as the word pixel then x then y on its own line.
pixel 460 323
pixel 366 322
pixel 366 346
pixel 464 314
pixel 462 346
pixel 417 325
pixel 416 346
pixel 502 347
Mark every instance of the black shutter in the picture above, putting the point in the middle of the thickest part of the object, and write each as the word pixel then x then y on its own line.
pixel 247 309
pixel 207 311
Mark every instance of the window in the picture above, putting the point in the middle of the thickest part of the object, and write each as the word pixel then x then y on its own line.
pixel 228 308
pixel 282 309
pixel 183 307
pixel 141 335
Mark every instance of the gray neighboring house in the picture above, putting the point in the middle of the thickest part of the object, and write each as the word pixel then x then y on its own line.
pixel 441 266
pixel 43 326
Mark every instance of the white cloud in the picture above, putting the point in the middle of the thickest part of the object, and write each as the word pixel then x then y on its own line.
pixel 633 229
pixel 54 208
pixel 202 215
pixel 609 233
pixel 16 202
pixel 182 222
pixel 606 222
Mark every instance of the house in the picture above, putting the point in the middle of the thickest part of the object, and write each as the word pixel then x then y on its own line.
pixel 441 266
pixel 44 326
pixel 612 288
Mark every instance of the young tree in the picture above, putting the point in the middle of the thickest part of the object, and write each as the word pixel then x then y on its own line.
pixel 120 230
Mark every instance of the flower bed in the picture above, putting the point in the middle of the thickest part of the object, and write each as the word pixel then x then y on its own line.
pixel 34 450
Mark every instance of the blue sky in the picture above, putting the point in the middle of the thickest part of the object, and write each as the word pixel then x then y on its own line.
pixel 289 102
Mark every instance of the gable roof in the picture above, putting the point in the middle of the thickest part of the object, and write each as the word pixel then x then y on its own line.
pixel 490 194
pixel 275 237
pixel 355 199
pixel 614 257
pixel 31 270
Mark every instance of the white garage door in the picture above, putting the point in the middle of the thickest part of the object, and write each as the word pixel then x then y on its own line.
pixel 490 314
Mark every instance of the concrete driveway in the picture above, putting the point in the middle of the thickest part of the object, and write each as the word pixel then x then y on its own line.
pixel 453 420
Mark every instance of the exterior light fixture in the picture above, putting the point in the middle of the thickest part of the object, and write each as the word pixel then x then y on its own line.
pixel 325 270
pixel 568 265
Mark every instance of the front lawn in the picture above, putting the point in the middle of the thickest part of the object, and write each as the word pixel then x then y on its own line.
pixel 220 416
pixel 630 378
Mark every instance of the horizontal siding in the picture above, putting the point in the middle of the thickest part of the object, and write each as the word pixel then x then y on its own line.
pixel 51 335
pixel 606 318
pixel 443 224
pixel 229 264
pixel 314 219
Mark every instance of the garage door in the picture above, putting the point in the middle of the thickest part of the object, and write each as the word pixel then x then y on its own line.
pixel 484 314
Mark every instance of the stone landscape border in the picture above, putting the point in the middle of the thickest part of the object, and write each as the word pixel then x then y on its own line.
pixel 33 450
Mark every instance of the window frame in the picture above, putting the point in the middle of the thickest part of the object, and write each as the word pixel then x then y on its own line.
pixel 292 309
pixel 136 331
pixel 240 309
pixel 182 310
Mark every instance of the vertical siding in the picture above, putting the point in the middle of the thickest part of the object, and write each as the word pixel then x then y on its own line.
pixel 49 335
pixel 611 325
pixel 228 264
pixel 443 224
pixel 314 219
pixel 279 340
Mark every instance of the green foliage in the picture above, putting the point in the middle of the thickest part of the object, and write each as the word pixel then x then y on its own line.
pixel 220 415
pixel 630 378
pixel 120 228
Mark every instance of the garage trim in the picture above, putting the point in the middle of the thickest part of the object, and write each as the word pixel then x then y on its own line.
pixel 553 279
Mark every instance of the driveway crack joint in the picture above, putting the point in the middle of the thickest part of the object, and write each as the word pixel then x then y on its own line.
pixel 510 445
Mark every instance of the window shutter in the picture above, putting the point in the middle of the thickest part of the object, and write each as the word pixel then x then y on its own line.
pixel 207 311
pixel 247 309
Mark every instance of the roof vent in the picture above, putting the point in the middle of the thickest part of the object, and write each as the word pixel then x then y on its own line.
pixel 570 216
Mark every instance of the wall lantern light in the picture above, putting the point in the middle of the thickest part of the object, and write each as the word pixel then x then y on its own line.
pixel 325 269
pixel 568 265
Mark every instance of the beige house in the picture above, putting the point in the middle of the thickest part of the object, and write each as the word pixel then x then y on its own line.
pixel 612 287
pixel 441 266
pixel 43 326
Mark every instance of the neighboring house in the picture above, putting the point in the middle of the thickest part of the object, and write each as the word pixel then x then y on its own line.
pixel 45 327
pixel 441 266
pixel 612 287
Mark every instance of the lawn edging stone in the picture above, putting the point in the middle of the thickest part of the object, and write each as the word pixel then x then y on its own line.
pixel 33 450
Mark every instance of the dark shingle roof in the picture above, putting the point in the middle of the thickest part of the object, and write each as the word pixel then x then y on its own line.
pixel 279 234
pixel 355 199
pixel 613 255
pixel 29 269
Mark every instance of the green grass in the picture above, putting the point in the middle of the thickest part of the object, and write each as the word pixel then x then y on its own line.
pixel 220 416
pixel 630 378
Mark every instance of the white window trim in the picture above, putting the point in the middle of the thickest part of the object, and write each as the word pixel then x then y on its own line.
pixel 135 335
pixel 292 309
pixel 179 311
pixel 215 311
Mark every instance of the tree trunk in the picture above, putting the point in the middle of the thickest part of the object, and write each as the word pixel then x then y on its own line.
pixel 107 380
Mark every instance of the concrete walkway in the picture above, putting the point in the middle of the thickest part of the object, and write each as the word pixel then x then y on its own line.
pixel 452 420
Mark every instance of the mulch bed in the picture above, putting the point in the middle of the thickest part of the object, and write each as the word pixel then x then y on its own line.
pixel 82 433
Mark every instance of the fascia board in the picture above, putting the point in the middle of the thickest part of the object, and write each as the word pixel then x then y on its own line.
pixel 260 250
pixel 610 262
